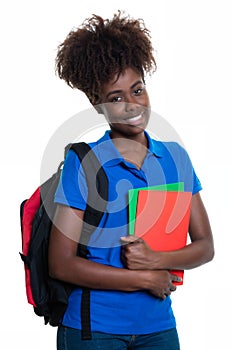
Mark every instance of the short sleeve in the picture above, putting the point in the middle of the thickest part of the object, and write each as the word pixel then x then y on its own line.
pixel 72 187
pixel 187 171
pixel 196 183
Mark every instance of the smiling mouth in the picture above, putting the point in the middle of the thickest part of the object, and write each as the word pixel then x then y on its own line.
pixel 134 119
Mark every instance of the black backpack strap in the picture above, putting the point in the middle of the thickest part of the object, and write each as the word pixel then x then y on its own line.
pixel 97 183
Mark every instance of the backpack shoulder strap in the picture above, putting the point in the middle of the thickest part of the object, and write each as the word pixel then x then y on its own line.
pixel 97 183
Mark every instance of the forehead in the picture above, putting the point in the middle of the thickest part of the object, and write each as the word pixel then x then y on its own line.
pixel 122 81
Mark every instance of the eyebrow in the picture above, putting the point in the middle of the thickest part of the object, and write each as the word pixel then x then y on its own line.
pixel 119 91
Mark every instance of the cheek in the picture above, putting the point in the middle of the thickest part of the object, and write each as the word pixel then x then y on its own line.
pixel 145 100
pixel 114 111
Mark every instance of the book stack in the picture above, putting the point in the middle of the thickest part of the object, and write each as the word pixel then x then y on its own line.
pixel 160 216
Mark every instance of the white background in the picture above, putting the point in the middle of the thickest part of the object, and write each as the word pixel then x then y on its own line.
pixel 192 89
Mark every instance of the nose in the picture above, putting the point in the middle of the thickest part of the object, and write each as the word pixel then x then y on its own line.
pixel 130 105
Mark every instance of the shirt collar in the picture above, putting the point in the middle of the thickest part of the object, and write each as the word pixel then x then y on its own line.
pixel 110 156
pixel 154 146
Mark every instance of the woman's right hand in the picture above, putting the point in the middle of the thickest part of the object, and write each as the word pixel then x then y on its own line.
pixel 160 282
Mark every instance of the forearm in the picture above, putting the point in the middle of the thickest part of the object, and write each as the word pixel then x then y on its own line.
pixel 85 273
pixel 139 256
pixel 189 257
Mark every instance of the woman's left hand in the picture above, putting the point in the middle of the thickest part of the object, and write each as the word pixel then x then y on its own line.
pixel 136 254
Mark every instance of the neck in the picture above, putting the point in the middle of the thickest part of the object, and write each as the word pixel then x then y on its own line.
pixel 132 149
pixel 133 142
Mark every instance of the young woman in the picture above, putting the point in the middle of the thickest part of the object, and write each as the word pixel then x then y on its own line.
pixel 130 305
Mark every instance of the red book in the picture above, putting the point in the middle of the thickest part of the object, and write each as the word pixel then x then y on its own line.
pixel 162 220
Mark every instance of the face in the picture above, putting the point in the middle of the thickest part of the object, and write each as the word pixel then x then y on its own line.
pixel 125 104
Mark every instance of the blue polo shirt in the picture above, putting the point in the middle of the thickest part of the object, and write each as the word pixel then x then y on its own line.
pixel 117 312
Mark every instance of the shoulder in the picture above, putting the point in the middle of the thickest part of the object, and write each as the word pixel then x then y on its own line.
pixel 72 156
pixel 172 148
pixel 95 146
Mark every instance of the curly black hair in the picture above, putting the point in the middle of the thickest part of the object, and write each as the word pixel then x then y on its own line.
pixel 94 53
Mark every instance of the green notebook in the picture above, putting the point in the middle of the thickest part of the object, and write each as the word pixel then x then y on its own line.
pixel 133 197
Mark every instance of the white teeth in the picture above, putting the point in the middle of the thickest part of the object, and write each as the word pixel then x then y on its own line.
pixel 134 118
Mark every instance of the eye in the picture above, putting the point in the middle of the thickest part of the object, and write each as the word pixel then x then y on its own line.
pixel 138 91
pixel 116 99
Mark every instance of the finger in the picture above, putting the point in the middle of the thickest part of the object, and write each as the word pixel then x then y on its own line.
pixel 172 288
pixel 175 278
pixel 131 239
pixel 166 293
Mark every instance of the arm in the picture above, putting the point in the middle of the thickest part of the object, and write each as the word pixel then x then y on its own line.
pixel 65 265
pixel 198 252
